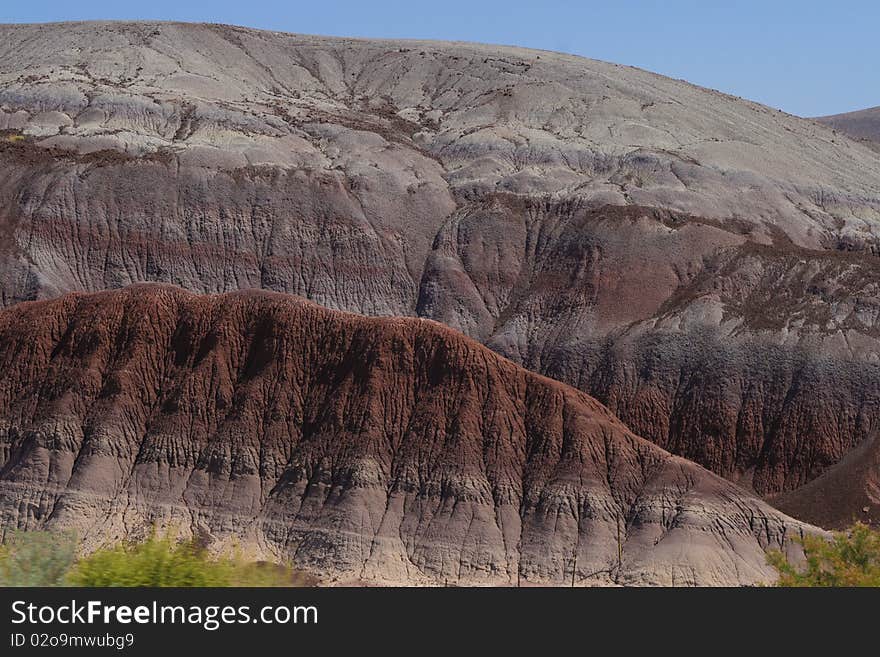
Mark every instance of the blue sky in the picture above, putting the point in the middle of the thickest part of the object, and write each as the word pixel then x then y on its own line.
pixel 808 58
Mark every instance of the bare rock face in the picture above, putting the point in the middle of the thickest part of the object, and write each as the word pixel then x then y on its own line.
pixel 704 265
pixel 393 450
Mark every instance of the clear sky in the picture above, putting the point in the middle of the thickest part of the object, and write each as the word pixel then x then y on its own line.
pixel 806 57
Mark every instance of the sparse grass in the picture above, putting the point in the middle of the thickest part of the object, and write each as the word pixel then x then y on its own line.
pixel 850 558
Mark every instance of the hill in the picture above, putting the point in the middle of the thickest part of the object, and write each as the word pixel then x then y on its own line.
pixel 362 449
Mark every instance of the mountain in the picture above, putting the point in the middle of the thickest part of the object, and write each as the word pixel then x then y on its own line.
pixel 363 449
pixel 703 265
pixel 863 125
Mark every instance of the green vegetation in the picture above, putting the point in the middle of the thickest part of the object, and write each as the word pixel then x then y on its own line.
pixel 47 559
pixel 162 562
pixel 850 558
pixel 36 558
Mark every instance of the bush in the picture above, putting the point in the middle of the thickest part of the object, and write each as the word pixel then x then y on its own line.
pixel 849 558
pixel 162 562
pixel 36 558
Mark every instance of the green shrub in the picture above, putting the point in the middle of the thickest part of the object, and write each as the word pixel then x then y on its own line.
pixel 36 558
pixel 163 562
pixel 850 558
pixel 42 558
